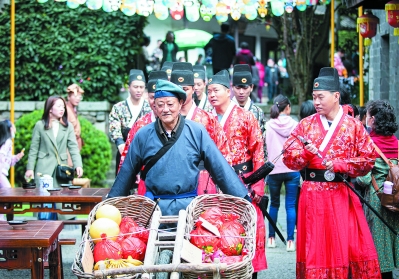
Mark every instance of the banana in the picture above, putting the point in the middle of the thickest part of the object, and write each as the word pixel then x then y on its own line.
pixel 99 263
pixel 134 261
pixel 129 262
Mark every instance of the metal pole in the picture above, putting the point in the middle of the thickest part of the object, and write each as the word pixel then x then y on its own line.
pixel 361 78
pixel 12 78
pixel 332 33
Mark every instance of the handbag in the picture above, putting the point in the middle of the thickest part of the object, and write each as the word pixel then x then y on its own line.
pixel 63 172
pixel 388 201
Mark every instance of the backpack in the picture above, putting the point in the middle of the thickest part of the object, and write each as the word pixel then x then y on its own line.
pixel 388 201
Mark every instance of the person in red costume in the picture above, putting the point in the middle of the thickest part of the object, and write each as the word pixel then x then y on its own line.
pixel 245 141
pixel 333 240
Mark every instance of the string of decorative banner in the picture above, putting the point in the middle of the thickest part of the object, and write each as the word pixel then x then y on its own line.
pixel 194 9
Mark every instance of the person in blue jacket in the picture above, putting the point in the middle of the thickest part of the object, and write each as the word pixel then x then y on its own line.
pixel 174 177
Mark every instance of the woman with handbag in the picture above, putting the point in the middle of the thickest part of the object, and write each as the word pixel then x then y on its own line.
pixel 381 124
pixel 51 137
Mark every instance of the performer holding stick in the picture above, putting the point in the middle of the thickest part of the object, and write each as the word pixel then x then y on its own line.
pixel 333 241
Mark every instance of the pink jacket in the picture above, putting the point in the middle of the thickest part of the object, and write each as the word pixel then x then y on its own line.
pixel 6 158
pixel 277 132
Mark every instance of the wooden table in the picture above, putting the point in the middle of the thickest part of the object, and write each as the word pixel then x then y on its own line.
pixel 30 247
pixel 72 202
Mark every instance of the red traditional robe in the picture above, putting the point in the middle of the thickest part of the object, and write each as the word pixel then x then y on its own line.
pixel 215 131
pixel 245 142
pixel 333 236
pixel 141 122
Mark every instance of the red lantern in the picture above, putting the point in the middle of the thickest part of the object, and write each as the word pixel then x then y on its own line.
pixel 367 26
pixel 392 9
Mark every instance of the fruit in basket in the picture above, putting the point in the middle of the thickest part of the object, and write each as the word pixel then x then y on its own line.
pixel 134 247
pixel 141 233
pixel 110 212
pixel 106 249
pixel 230 243
pixel 130 262
pixel 204 239
pixel 134 261
pixel 214 216
pixel 126 224
pixel 104 225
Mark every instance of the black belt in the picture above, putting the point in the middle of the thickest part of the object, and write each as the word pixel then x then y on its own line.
pixel 321 176
pixel 244 167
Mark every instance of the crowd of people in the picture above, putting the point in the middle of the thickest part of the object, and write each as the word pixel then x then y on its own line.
pixel 180 134
pixel 335 239
pixel 221 53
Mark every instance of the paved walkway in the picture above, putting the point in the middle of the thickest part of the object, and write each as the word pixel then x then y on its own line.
pixel 281 264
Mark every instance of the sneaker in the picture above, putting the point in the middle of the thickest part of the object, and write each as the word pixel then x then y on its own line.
pixel 271 242
pixel 291 246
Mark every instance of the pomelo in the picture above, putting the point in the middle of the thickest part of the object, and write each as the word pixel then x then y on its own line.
pixel 110 212
pixel 104 225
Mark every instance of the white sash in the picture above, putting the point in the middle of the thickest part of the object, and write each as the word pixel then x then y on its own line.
pixel 190 113
pixel 331 128
pixel 247 104
pixel 202 102
pixel 134 110
pixel 226 114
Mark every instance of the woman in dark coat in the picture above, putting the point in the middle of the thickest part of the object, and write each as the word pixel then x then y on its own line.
pixel 169 48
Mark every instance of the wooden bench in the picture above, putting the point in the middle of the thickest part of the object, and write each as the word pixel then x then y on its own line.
pixel 81 222
pixel 63 241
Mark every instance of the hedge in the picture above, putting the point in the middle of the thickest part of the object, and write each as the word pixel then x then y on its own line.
pixel 96 152
pixel 57 46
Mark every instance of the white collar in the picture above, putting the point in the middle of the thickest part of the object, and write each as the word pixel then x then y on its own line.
pixel 190 113
pixel 134 110
pixel 226 114
pixel 202 102
pixel 247 104
pixel 331 128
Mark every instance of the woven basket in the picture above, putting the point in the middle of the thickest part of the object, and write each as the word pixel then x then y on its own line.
pixel 228 204
pixel 139 208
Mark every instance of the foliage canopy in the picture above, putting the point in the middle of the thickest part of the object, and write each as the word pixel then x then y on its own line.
pixel 57 46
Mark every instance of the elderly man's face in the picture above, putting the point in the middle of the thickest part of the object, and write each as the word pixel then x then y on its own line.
pixel 168 109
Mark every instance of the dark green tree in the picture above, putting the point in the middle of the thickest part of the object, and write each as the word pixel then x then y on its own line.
pixel 57 46
pixel 302 35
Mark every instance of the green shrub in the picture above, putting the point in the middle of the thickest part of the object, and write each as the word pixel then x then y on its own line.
pixel 23 138
pixel 56 46
pixel 96 152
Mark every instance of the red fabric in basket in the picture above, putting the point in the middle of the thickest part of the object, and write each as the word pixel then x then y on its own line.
pixel 204 239
pixel 126 225
pixel 214 216
pixel 107 249
pixel 132 246
pixel 231 243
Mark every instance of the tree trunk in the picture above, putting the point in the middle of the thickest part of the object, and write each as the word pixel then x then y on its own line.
pixel 302 35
